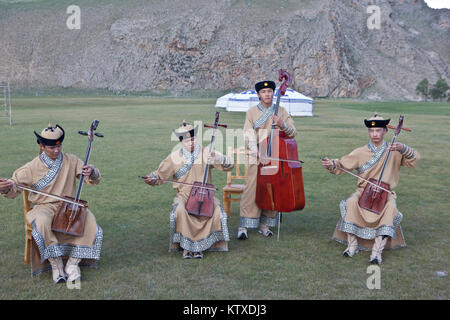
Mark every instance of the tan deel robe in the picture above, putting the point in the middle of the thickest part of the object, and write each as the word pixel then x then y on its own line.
pixel 250 215
pixel 364 224
pixel 49 244
pixel 192 232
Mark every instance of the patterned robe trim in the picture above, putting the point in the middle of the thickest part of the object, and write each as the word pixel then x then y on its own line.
pixel 377 154
pixel 190 157
pixel 367 233
pixel 201 245
pixel 54 166
pixel 267 112
pixel 288 129
pixel 49 267
pixel 408 152
pixel 344 242
pixel 68 250
pixel 253 223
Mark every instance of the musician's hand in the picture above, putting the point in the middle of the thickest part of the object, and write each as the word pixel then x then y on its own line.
pixel 87 170
pixel 6 184
pixel 327 163
pixel 397 146
pixel 214 157
pixel 278 121
pixel 151 180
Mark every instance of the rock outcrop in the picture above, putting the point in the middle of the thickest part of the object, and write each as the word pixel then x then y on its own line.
pixel 176 47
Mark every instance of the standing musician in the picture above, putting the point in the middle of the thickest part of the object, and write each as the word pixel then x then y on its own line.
pixel 258 122
pixel 55 172
pixel 361 228
pixel 192 233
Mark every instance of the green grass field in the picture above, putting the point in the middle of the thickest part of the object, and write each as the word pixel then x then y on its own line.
pixel 304 264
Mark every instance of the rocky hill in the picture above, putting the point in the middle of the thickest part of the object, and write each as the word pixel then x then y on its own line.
pixel 181 46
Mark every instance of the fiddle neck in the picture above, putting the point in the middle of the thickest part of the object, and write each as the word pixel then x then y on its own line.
pixel 275 112
pixel 205 174
pixel 387 157
pixel 277 104
pixel 86 161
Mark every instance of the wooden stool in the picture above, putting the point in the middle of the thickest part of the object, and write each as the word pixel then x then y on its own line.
pixel 28 228
pixel 232 188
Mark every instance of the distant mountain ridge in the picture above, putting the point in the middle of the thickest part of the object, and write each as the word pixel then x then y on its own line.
pixel 181 46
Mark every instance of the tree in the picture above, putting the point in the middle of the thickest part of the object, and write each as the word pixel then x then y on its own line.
pixel 422 88
pixel 439 90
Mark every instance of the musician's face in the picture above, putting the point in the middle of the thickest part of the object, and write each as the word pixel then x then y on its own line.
pixel 266 96
pixel 52 151
pixel 189 143
pixel 377 135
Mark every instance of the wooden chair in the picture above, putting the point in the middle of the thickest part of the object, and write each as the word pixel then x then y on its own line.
pixel 231 188
pixel 28 229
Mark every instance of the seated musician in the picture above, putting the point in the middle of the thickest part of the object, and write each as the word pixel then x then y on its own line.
pixel 258 122
pixel 55 172
pixel 360 228
pixel 192 233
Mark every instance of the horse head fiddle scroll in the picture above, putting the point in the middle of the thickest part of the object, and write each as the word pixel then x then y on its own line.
pixel 399 127
pixel 283 74
pixel 91 133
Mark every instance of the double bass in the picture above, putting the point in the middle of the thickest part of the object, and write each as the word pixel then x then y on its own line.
pixel 280 180
pixel 70 217
pixel 201 197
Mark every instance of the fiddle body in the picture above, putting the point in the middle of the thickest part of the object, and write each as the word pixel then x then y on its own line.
pixel 70 219
pixel 201 200
pixel 373 198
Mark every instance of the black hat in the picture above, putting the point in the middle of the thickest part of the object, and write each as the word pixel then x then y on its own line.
pixel 265 84
pixel 50 136
pixel 376 122
pixel 186 130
